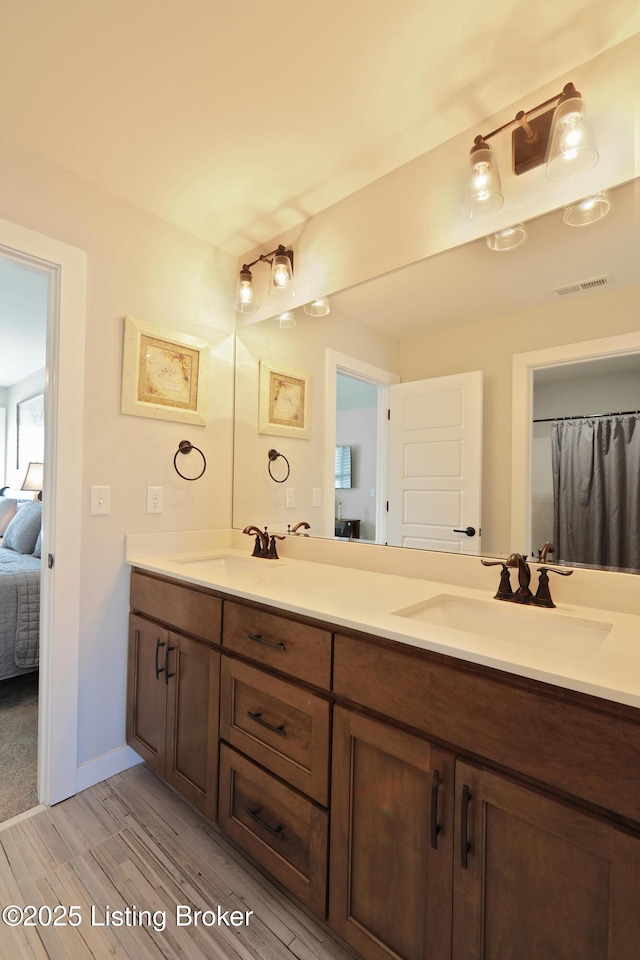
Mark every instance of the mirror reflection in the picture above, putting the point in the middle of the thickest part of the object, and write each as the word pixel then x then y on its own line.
pixel 468 310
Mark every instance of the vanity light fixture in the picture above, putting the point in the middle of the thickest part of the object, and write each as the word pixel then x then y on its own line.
pixel 280 285
pixel 507 239
pixel 561 137
pixel 587 211
pixel 318 307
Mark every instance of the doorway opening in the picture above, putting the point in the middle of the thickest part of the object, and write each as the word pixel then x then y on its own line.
pixel 64 271
pixel 23 331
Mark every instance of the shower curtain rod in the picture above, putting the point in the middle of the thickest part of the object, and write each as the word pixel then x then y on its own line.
pixel 590 416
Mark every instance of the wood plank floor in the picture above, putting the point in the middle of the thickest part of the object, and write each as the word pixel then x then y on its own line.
pixel 131 842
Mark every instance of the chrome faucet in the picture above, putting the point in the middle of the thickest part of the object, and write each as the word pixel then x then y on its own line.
pixel 523 593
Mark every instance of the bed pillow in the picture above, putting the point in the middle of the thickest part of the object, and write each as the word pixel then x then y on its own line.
pixel 37 550
pixel 7 512
pixel 23 530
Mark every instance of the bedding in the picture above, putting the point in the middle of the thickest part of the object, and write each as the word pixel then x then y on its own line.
pixel 20 593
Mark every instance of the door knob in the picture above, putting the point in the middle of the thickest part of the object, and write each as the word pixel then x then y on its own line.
pixel 470 531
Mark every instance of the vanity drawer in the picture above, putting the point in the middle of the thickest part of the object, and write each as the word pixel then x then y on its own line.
pixel 281 830
pixel 578 744
pixel 190 610
pixel 282 726
pixel 295 648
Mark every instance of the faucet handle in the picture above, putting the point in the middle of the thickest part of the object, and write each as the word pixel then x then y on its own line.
pixel 561 573
pixel 272 553
pixel 543 594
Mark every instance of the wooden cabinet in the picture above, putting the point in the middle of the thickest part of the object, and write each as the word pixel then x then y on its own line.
pixel 536 878
pixel 174 684
pixel 391 841
pixel 281 725
pixel 290 646
pixel 473 814
pixel 282 830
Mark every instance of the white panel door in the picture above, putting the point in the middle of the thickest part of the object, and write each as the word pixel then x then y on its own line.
pixel 435 463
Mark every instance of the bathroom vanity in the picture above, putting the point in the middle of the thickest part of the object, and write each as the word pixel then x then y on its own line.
pixel 428 791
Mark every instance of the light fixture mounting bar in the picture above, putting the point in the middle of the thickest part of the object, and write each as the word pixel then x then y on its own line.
pixel 268 257
pixel 531 134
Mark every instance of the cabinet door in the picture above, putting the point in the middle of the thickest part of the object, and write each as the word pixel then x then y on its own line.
pixel 146 692
pixel 536 878
pixel 391 841
pixel 193 683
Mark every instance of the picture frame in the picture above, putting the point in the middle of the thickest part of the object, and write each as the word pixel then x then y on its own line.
pixel 165 373
pixel 284 401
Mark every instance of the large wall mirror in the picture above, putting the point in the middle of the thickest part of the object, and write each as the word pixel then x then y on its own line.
pixel 467 311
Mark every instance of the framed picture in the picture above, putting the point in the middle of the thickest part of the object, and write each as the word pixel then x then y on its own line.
pixel 164 373
pixel 284 401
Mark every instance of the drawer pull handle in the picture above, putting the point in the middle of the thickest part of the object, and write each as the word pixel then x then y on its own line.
pixel 435 826
pixel 159 669
pixel 167 675
pixel 265 723
pixel 268 643
pixel 465 846
pixel 276 831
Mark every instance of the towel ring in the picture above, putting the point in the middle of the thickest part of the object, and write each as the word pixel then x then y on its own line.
pixel 185 446
pixel 273 455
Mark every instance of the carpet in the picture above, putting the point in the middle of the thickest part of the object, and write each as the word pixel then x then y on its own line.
pixel 18 744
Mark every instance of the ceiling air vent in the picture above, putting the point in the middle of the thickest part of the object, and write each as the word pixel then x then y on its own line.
pixel 582 286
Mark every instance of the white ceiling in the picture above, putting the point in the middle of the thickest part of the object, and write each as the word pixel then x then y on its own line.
pixel 238 120
pixel 472 283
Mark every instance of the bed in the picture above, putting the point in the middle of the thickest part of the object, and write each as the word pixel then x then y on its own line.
pixel 20 592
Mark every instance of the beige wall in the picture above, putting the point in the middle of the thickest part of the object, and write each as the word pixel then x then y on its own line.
pixel 490 346
pixel 141 266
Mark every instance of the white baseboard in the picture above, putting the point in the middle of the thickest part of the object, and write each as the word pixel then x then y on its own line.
pixel 105 766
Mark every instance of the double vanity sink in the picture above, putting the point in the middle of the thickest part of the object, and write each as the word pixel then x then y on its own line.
pixel 384 747
pixel 584 649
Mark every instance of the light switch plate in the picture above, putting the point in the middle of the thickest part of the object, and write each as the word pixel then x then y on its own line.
pixel 315 499
pixel 290 497
pixel 100 501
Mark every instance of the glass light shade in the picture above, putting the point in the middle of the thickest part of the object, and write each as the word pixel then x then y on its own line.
pixel 507 239
pixel 318 308
pixel 281 276
pixel 572 149
pixel 587 211
pixel 245 294
pixel 286 320
pixel 484 192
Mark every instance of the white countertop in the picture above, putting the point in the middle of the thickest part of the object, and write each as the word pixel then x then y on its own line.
pixel 599 655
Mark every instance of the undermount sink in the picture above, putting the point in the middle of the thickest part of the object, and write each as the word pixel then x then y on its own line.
pixel 229 563
pixel 499 620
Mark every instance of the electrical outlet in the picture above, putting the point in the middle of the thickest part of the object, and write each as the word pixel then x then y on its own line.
pixel 100 501
pixel 154 499
pixel 290 497
pixel 315 498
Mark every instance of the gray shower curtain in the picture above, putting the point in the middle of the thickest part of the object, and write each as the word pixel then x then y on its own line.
pixel 596 491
